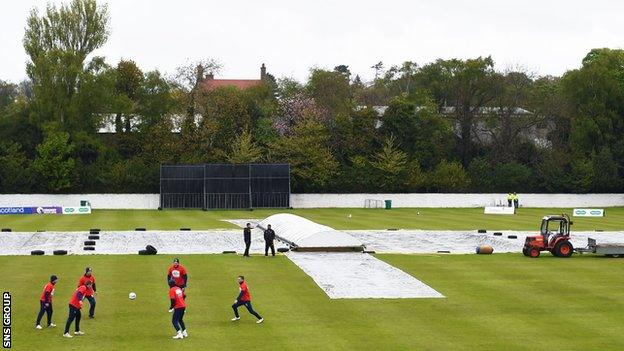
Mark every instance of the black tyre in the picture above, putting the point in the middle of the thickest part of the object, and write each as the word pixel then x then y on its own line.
pixel 37 252
pixel 143 252
pixel 5 230
pixel 94 237
pixel 498 234
pixel 229 252
pixel 59 252
pixel 525 251
pixel 151 250
pixel 512 237
pixel 185 229
pixel 563 249
pixel 89 248
pixel 139 229
pixel 89 242
pixel 283 249
pixel 481 231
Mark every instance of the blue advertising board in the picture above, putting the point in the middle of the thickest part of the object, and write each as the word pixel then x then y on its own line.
pixel 15 210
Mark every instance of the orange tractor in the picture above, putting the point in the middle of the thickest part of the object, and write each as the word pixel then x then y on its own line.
pixel 554 237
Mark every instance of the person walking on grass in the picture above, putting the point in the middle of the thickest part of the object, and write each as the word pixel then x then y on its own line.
pixel 46 303
pixel 247 239
pixel 75 305
pixel 177 307
pixel 269 237
pixel 88 276
pixel 244 299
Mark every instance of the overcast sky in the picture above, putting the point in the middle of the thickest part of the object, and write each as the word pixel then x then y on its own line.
pixel 290 36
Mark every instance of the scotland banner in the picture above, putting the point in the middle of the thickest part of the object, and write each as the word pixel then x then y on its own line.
pixel 15 210
pixel 18 210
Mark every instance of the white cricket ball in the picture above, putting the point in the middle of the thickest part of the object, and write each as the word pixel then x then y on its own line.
pixel 132 296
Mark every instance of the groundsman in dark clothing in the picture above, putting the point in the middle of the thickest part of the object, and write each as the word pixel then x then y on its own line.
pixel 247 239
pixel 269 237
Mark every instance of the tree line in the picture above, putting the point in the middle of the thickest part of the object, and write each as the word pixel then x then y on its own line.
pixel 451 125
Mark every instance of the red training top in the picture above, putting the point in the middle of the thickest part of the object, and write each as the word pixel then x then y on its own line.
pixel 84 279
pixel 177 274
pixel 48 288
pixel 246 296
pixel 177 295
pixel 76 300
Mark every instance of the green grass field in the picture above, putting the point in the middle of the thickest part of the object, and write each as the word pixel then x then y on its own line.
pixel 502 301
pixel 406 218
pixel 496 302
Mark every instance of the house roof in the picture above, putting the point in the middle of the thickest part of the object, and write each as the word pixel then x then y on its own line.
pixel 212 84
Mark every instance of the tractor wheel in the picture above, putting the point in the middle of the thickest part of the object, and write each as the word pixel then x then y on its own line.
pixel 563 249
pixel 525 251
pixel 534 253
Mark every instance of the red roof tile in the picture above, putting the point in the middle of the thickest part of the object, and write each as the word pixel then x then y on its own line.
pixel 212 84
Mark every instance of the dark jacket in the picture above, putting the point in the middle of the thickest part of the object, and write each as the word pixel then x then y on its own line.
pixel 247 235
pixel 269 235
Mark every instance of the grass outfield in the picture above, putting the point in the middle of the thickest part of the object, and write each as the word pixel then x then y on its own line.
pixel 406 218
pixel 503 301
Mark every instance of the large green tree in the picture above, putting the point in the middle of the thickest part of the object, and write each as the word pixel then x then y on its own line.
pixel 54 166
pixel 420 130
pixel 596 95
pixel 306 149
pixel 462 88
pixel 58 42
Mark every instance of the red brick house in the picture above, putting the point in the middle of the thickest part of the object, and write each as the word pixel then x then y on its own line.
pixel 210 83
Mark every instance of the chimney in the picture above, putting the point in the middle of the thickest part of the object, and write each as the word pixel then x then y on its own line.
pixel 262 72
pixel 199 73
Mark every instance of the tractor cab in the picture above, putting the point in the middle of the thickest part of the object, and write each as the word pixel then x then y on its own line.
pixel 554 227
pixel 554 237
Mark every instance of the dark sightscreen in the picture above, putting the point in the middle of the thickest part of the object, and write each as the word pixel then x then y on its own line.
pixel 225 186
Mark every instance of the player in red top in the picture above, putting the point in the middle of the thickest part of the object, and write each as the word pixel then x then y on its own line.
pixel 244 299
pixel 46 303
pixel 178 274
pixel 178 306
pixel 88 276
pixel 75 305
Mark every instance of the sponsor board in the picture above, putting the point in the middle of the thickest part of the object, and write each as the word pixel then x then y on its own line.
pixel 47 210
pixel 500 210
pixel 31 210
pixel 76 210
pixel 15 210
pixel 588 212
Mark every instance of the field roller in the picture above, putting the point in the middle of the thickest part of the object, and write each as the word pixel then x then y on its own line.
pixel 484 250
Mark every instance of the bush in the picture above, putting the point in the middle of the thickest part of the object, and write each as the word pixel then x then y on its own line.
pixel 448 177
